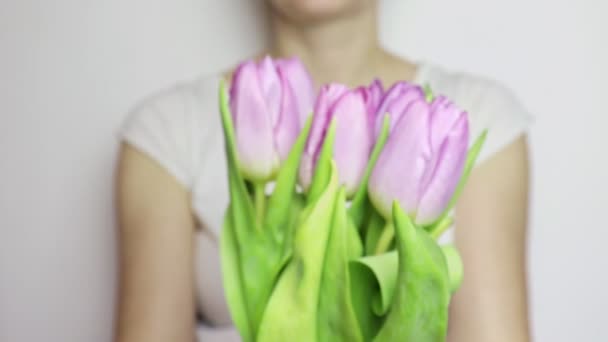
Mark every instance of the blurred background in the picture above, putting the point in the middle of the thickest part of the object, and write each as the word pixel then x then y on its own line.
pixel 71 70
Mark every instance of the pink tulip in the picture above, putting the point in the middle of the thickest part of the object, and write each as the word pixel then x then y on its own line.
pixel 372 94
pixel 353 140
pixel 423 158
pixel 300 83
pixel 267 101
pixel 395 102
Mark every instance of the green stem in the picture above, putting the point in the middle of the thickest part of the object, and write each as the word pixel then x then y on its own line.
pixel 441 227
pixel 385 239
pixel 259 190
pixel 428 93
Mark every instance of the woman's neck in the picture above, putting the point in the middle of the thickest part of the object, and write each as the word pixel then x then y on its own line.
pixel 344 49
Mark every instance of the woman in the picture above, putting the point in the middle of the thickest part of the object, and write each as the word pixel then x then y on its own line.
pixel 172 191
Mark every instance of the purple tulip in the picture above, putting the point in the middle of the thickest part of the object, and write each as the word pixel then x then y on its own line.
pixel 372 95
pixel 301 84
pixel 353 140
pixel 395 102
pixel 266 100
pixel 423 158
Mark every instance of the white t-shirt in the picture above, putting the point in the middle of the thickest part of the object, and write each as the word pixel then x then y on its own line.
pixel 180 129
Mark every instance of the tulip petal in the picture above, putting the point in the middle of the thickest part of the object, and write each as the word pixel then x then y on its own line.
pixel 402 163
pixel 444 115
pixel 391 94
pixel 270 82
pixel 353 142
pixel 448 166
pixel 359 207
pixel 373 96
pixel 287 127
pixel 253 128
pixel 301 84
pixel 320 122
pixel 395 102
pixel 376 89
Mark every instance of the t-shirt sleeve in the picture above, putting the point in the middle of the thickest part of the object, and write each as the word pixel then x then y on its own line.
pixel 221 334
pixel 502 114
pixel 491 106
pixel 164 128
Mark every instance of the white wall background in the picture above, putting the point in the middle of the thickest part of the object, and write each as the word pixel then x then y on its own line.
pixel 70 70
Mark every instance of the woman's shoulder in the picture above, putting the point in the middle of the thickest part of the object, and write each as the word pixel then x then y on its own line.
pixel 174 98
pixel 490 104
pixel 471 90
pixel 170 124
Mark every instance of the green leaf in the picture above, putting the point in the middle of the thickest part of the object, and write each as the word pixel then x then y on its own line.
pixel 364 286
pixel 355 245
pixel 240 218
pixel 383 267
pixel 293 307
pixel 323 168
pixel 376 277
pixel 361 206
pixel 279 205
pixel 237 187
pixel 470 162
pixel 231 277
pixel 251 256
pixel 336 317
pixel 428 93
pixel 297 206
pixel 245 294
pixel 312 299
pixel 454 264
pixel 468 167
pixel 419 309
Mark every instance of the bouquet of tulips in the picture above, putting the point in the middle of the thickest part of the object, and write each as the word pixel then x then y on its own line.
pixel 331 232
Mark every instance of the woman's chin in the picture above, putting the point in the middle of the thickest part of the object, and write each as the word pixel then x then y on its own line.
pixel 317 10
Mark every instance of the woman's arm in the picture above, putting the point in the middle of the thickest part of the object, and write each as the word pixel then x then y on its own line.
pixel 156 301
pixel 491 220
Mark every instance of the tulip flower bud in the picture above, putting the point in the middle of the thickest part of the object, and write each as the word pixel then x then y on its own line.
pixel 423 158
pixel 372 95
pixel 266 103
pixel 353 139
pixel 395 102
pixel 301 85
